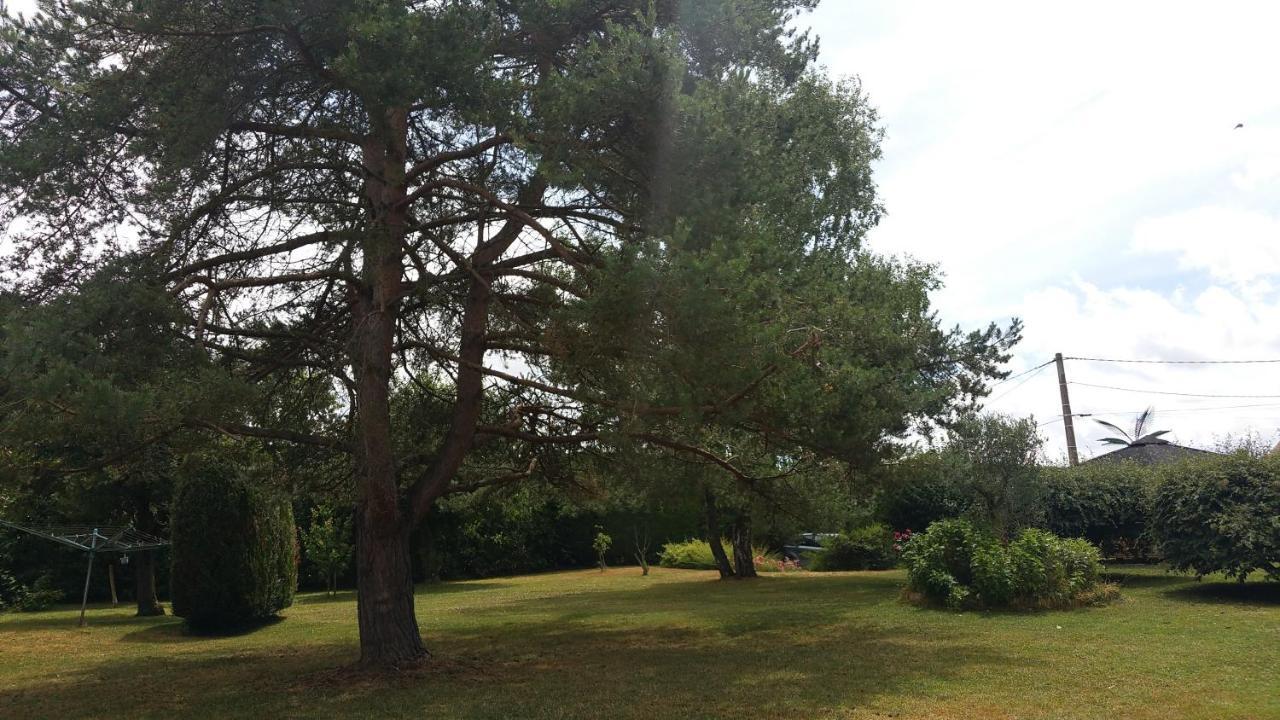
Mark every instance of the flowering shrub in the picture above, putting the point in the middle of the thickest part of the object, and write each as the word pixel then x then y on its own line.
pixel 956 564
pixel 900 540
pixel 767 562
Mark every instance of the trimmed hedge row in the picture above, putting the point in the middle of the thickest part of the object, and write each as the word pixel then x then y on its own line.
pixel 1108 504
pixel 1220 515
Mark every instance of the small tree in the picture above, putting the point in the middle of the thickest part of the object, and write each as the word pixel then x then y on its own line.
pixel 996 455
pixel 601 544
pixel 642 549
pixel 327 544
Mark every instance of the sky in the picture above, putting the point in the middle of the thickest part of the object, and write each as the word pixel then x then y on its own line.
pixel 1077 165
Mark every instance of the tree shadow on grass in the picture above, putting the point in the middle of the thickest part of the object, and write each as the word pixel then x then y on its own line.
pixel 459 586
pixel 56 619
pixel 321 598
pixel 1144 580
pixel 427 589
pixel 223 684
pixel 1235 593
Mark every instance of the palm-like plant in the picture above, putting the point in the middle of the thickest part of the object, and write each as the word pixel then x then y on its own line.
pixel 1140 436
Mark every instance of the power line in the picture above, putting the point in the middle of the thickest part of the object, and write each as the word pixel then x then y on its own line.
pixel 1176 411
pixel 1030 375
pixel 1024 372
pixel 1166 392
pixel 1180 411
pixel 1175 362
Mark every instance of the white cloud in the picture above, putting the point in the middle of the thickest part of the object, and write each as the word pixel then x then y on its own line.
pixel 1238 246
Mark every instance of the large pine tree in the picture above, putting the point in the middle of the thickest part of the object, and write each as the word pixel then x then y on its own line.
pixel 590 221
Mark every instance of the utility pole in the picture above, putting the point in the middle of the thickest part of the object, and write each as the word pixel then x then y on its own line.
pixel 1066 412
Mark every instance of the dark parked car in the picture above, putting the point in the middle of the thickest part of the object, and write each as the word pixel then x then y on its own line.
pixel 804 547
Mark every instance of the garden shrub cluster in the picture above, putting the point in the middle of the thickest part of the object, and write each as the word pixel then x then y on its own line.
pixel 235 553
pixel 961 566
pixel 867 548
pixel 1220 514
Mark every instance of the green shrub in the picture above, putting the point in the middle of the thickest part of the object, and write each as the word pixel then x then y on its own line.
pixel 601 545
pixel 1083 563
pixel 234 550
pixel 993 574
pixel 41 595
pixel 1108 504
pixel 696 554
pixel 958 565
pixel 1220 514
pixel 1039 573
pixel 867 548
pixel 940 560
pixel 690 555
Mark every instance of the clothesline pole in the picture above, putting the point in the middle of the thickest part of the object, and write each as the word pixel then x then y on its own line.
pixel 88 573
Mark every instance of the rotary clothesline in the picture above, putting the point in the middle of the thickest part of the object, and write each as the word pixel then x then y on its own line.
pixel 92 539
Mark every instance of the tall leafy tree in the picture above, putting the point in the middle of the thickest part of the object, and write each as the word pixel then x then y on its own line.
pixel 592 222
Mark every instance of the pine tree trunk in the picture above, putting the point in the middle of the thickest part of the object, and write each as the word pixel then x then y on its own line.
pixel 144 563
pixel 713 535
pixel 389 635
pixel 743 557
pixel 144 584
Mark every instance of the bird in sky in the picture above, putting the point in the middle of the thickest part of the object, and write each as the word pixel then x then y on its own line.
pixel 1238 126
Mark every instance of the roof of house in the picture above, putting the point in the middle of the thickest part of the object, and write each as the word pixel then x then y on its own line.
pixel 1153 452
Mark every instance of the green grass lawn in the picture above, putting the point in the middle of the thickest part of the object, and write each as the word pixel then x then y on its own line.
pixel 678 644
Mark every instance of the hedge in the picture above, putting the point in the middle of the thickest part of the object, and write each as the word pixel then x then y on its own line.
pixel 1220 514
pixel 1109 504
pixel 235 555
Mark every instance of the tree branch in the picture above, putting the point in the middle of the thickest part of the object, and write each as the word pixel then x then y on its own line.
pixel 295 131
